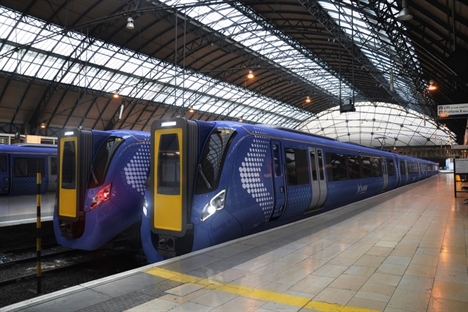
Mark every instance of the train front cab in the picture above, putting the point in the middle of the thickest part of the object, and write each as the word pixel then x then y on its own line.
pixel 74 160
pixel 174 157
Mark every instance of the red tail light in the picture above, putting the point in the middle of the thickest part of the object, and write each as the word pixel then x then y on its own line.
pixel 101 196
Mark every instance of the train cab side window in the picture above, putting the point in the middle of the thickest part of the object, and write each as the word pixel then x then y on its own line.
pixel 390 167
pixel 336 167
pixel 3 164
pixel 27 167
pixel 212 159
pixel 296 166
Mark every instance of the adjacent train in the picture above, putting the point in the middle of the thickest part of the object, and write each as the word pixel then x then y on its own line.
pixel 101 186
pixel 215 181
pixel 19 165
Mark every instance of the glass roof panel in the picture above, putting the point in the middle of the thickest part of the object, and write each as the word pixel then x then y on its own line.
pixel 378 125
pixel 250 34
pixel 122 66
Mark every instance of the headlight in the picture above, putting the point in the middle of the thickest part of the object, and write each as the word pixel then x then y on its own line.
pixel 215 204
pixel 145 208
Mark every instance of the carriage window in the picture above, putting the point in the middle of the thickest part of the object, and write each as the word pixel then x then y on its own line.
pixel 376 166
pixel 212 159
pixel 68 165
pixel 366 167
pixel 169 165
pixel 296 166
pixel 336 167
pixel 353 167
pixel 391 167
pixel 3 165
pixel 28 167
pixel 403 167
pixel 102 161
pixel 53 165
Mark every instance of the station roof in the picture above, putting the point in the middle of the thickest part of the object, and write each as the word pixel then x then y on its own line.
pixel 63 61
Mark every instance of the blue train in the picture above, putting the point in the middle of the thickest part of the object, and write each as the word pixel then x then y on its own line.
pixel 211 182
pixel 101 185
pixel 19 164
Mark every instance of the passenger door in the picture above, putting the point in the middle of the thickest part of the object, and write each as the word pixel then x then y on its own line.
pixel 319 185
pixel 278 180
pixel 384 174
pixel 5 177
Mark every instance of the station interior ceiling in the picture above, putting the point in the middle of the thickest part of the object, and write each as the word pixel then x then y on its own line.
pixel 353 70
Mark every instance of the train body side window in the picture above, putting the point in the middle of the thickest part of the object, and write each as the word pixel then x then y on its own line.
pixel 296 166
pixel 3 164
pixel 27 167
pixel 53 165
pixel 353 166
pixel 376 166
pixel 402 167
pixel 366 167
pixel 336 167
pixel 390 167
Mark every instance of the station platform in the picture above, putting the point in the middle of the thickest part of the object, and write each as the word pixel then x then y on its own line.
pixel 22 209
pixel 404 250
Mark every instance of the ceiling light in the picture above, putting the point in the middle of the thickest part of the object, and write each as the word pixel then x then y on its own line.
pixel 250 75
pixel 308 100
pixel 405 13
pixel 432 86
pixel 130 24
pixel 42 126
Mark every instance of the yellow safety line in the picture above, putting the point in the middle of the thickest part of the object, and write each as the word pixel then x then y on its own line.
pixel 246 291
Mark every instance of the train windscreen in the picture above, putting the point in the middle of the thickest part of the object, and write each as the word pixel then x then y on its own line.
pixel 68 165
pixel 212 159
pixel 169 165
pixel 102 161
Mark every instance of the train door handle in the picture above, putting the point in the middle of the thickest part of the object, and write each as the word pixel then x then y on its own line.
pixel 282 189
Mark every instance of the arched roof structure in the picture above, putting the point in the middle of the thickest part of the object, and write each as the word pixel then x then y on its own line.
pixel 61 62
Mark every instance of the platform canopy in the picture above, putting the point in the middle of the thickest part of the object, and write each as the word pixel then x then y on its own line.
pixel 107 64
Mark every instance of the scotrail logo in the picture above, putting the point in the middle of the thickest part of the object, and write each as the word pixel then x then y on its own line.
pixel 361 189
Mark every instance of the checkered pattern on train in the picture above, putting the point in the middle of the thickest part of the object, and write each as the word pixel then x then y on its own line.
pixel 136 169
pixel 298 199
pixel 27 186
pixel 250 173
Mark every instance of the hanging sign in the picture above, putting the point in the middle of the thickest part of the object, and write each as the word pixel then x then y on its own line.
pixel 452 110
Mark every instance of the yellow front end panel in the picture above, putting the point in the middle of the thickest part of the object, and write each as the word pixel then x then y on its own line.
pixel 167 209
pixel 67 197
